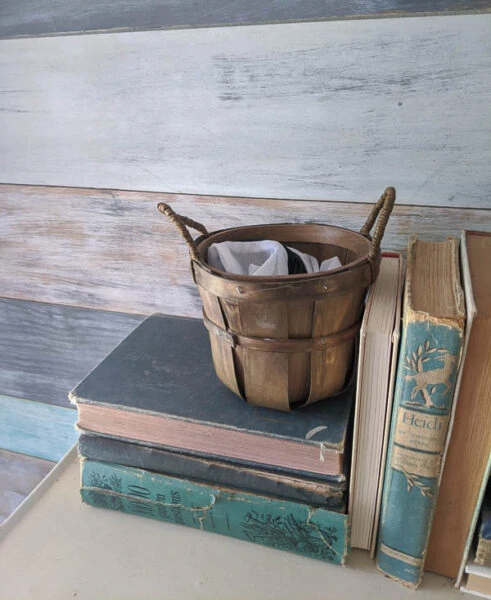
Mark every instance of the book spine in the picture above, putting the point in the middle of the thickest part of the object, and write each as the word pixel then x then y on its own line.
pixel 330 495
pixel 337 479
pixel 474 521
pixel 284 525
pixel 426 374
pixel 483 552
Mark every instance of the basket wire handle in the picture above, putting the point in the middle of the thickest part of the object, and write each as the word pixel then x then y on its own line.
pixel 181 222
pixel 380 213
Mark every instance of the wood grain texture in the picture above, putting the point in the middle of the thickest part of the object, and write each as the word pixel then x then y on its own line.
pixel 45 17
pixel 45 350
pixel 113 250
pixel 331 314
pixel 318 110
pixel 36 429
pixel 19 475
pixel 223 356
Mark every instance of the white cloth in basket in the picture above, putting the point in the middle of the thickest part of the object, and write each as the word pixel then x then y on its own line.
pixel 264 257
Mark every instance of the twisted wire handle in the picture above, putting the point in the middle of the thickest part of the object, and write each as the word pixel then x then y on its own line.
pixel 180 222
pixel 380 214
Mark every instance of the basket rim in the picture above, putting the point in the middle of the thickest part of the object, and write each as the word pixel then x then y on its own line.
pixel 353 265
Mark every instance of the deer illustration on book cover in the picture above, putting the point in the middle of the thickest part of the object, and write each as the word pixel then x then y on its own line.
pixel 427 371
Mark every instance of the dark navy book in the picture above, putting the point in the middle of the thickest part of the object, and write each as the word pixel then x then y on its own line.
pixel 327 492
pixel 158 387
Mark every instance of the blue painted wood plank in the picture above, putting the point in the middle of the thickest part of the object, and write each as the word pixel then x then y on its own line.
pixel 36 429
pixel 45 17
pixel 46 349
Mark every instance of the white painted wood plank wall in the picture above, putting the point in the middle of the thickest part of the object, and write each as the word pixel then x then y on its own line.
pixel 330 110
pixel 316 111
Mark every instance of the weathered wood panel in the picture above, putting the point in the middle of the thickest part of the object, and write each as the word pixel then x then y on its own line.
pixel 36 429
pixel 44 17
pixel 19 475
pixel 47 349
pixel 113 250
pixel 331 109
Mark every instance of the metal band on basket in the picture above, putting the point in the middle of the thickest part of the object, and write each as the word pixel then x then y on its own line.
pixel 282 345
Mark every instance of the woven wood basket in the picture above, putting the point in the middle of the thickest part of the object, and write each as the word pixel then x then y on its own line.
pixel 288 340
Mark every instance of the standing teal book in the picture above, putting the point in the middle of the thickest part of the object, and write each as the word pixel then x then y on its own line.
pixel 285 525
pixel 431 348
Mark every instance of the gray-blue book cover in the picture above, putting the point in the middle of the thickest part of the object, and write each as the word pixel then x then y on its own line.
pixel 159 387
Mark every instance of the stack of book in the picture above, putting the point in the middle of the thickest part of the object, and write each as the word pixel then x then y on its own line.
pixel 161 437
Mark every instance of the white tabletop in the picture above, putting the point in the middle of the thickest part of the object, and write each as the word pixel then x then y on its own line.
pixel 55 547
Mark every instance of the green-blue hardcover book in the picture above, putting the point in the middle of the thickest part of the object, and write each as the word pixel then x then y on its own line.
pixel 431 345
pixel 284 525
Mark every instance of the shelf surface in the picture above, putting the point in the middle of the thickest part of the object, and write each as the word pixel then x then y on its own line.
pixel 54 546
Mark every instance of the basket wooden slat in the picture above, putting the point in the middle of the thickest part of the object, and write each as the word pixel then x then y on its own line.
pixel 300 319
pixel 222 353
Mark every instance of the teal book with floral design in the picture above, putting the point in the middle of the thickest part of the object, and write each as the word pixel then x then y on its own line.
pixel 284 525
pixel 431 347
